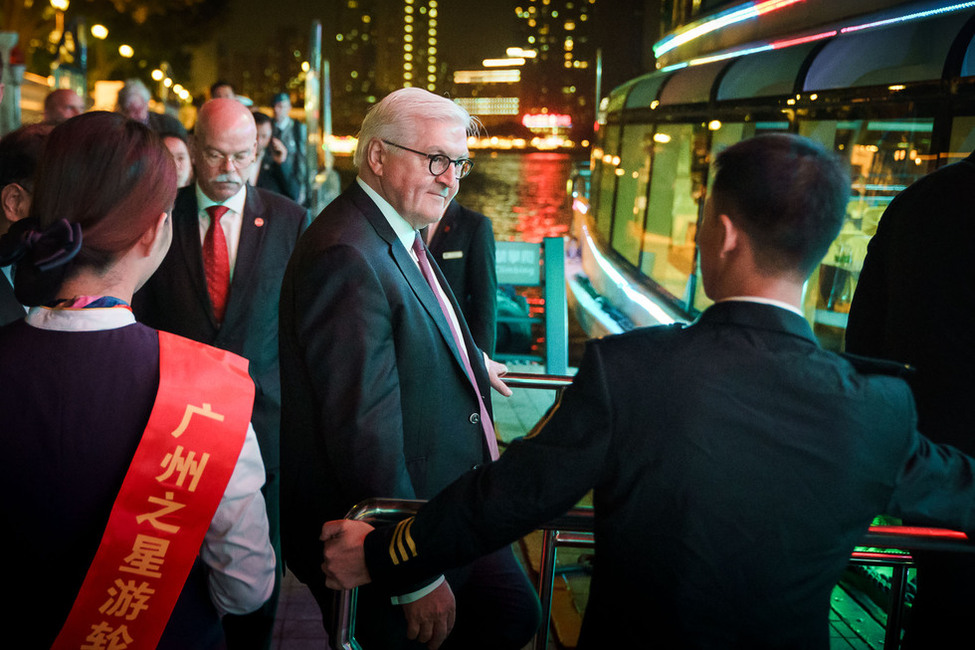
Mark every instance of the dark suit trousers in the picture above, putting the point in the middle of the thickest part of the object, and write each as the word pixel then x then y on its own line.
pixel 497 609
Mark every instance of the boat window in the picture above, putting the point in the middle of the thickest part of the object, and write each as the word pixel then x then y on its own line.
pixel 633 175
pixel 885 157
pixel 691 85
pixel 764 74
pixel 645 91
pixel 605 173
pixel 671 222
pixel 962 138
pixel 906 53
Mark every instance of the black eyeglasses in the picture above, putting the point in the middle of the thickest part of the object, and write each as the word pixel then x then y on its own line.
pixel 440 163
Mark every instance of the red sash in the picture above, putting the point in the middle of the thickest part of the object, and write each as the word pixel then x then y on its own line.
pixel 170 493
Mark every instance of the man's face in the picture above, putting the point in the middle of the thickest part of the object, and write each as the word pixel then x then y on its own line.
pixel 223 91
pixel 181 156
pixel 264 132
pixel 406 182
pixel 281 110
pixel 64 106
pixel 221 160
pixel 136 108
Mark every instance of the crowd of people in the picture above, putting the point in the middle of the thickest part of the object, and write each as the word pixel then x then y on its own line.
pixel 200 380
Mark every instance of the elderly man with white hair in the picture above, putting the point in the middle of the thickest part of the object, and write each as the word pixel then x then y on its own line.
pixel 385 392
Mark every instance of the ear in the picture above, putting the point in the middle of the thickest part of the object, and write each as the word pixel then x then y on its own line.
pixel 153 236
pixel 730 235
pixel 376 156
pixel 16 202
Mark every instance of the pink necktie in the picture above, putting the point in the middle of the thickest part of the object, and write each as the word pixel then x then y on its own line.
pixel 216 262
pixel 487 425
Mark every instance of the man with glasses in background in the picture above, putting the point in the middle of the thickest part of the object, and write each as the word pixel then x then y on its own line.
pixel 385 392
pixel 220 284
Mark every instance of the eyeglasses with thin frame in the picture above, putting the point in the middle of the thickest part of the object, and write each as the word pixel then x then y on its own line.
pixel 216 158
pixel 440 163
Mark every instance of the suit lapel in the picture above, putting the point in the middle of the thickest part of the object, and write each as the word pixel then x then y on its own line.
pixel 187 236
pixel 411 273
pixel 254 223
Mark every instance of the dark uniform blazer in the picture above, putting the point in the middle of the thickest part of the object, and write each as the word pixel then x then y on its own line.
pixel 376 401
pixel 915 298
pixel 735 464
pixel 67 465
pixel 278 177
pixel 175 298
pixel 10 308
pixel 463 245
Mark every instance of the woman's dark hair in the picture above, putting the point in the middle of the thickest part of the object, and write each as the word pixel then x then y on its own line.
pixel 108 174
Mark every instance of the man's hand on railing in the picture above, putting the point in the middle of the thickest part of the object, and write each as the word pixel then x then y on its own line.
pixel 345 560
pixel 430 619
pixel 497 370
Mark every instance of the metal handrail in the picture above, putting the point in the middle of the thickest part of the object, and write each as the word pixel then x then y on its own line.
pixel 574 529
pixel 528 380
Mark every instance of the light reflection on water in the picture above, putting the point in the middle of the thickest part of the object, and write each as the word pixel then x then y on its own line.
pixel 524 194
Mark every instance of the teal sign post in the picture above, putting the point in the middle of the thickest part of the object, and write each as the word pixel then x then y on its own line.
pixel 523 264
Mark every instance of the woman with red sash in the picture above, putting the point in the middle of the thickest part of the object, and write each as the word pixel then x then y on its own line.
pixel 132 514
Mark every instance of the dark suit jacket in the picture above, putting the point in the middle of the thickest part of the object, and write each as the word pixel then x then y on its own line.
pixel 734 466
pixel 376 402
pixel 10 308
pixel 463 245
pixel 175 298
pixel 914 300
pixel 278 177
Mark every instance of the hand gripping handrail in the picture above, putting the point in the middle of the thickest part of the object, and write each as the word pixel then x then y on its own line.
pixel 387 511
pixel 574 529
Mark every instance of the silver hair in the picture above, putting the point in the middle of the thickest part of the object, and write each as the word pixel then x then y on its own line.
pixel 133 87
pixel 397 113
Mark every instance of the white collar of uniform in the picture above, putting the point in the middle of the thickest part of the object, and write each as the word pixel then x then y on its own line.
pixel 766 301
pixel 79 320
pixel 404 231
pixel 235 203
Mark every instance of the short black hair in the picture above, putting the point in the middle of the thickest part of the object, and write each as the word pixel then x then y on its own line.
pixel 788 194
pixel 262 118
pixel 20 150
pixel 218 84
pixel 174 134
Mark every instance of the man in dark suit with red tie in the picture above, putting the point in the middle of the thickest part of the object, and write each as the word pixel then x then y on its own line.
pixel 385 392
pixel 220 284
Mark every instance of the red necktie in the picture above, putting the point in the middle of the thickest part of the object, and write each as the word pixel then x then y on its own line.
pixel 216 262
pixel 487 425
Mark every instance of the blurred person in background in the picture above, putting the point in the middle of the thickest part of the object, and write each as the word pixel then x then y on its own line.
pixel 62 104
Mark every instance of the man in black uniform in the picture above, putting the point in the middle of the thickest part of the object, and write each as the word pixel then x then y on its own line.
pixel 734 463
pixel 914 304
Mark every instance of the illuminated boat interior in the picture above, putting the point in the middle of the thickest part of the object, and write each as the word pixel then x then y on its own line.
pixel 892 91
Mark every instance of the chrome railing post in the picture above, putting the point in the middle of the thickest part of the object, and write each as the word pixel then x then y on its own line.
pixel 895 607
pixel 546 585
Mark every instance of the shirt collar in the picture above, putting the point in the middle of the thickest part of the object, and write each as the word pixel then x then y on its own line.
pixel 766 301
pixel 79 320
pixel 403 229
pixel 235 203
